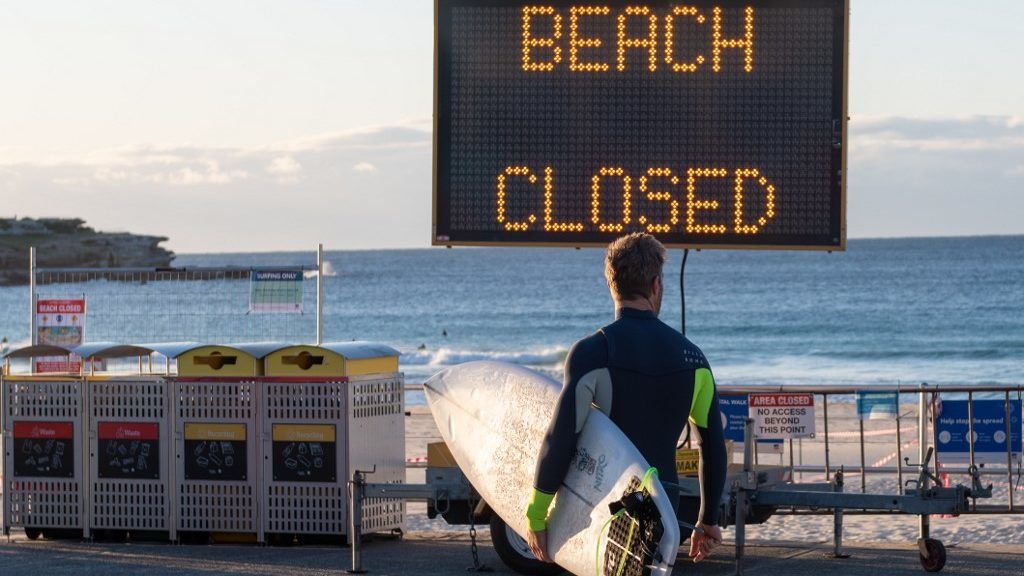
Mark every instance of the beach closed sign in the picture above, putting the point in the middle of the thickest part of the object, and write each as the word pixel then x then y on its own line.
pixel 708 124
pixel 782 416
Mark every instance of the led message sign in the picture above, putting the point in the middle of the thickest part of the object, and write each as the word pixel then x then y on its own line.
pixel 709 124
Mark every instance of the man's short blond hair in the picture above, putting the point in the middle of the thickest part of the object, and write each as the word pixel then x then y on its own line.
pixel 631 264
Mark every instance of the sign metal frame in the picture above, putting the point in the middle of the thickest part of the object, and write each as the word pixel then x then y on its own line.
pixel 840 246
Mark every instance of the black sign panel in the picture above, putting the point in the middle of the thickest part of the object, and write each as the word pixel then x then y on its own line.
pixel 708 124
pixel 304 453
pixel 215 452
pixel 44 449
pixel 128 450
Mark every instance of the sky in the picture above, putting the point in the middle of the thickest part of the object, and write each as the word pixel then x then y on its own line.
pixel 259 126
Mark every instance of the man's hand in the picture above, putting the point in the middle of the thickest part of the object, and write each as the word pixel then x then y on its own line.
pixel 538 542
pixel 701 545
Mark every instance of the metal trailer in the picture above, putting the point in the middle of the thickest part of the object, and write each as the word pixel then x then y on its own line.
pixel 326 410
pixel 129 465
pixel 215 403
pixel 44 460
pixel 751 497
pixel 756 493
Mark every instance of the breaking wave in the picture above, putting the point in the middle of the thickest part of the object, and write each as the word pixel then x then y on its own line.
pixel 449 356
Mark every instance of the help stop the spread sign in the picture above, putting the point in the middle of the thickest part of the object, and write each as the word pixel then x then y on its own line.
pixel 782 416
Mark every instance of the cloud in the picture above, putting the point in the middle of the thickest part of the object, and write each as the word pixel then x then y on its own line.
pixel 935 176
pixel 285 168
pixel 191 166
pixel 938 134
pixel 906 177
pixel 172 173
pixel 217 199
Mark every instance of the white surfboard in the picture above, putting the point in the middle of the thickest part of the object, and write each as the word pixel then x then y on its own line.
pixel 494 415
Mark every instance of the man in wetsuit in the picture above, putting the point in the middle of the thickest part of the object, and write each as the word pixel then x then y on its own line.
pixel 649 379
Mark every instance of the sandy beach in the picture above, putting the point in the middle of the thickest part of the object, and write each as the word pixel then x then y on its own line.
pixel 880 449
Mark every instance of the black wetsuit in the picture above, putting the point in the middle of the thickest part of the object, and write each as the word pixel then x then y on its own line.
pixel 649 379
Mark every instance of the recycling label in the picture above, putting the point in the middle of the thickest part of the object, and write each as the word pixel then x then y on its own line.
pixel 305 453
pixel 215 452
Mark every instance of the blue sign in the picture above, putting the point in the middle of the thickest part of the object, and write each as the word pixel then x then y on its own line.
pixel 734 415
pixel 989 430
pixel 877 405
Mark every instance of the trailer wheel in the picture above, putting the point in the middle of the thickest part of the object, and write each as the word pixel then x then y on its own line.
pixel 936 555
pixel 515 553
pixel 33 533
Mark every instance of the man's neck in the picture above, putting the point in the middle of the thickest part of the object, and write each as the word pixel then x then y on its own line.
pixel 636 304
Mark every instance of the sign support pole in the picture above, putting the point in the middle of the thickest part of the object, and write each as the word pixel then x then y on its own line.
pixel 32 294
pixel 319 294
pixel 32 303
pixel 682 291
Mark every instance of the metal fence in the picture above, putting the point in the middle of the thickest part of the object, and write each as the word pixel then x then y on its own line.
pixel 885 455
pixel 882 455
pixel 209 304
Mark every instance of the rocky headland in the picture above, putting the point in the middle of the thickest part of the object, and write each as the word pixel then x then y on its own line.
pixel 69 243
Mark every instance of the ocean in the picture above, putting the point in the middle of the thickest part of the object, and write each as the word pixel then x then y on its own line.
pixel 936 310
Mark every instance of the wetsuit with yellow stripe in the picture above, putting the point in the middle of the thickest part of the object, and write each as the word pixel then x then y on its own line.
pixel 649 379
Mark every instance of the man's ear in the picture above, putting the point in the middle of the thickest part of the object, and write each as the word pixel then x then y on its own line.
pixel 656 285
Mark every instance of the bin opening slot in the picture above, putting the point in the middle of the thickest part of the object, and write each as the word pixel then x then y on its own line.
pixel 304 360
pixel 215 360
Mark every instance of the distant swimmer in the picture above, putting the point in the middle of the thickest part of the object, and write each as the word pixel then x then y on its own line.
pixel 650 380
pixel 421 347
pixel 444 333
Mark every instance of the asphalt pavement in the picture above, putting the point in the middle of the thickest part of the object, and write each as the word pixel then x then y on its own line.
pixel 439 554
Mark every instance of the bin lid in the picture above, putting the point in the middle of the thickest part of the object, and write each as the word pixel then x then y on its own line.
pixel 173 349
pixel 100 350
pixel 363 357
pixel 260 349
pixel 38 350
pixel 361 349
pixel 218 360
pixel 304 360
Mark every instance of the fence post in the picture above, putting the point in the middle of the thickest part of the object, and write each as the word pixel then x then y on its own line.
pixel 899 446
pixel 828 467
pixel 863 462
pixel 922 447
pixel 970 441
pixel 1009 450
pixel 319 294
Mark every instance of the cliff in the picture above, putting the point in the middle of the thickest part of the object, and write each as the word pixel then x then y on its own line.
pixel 69 243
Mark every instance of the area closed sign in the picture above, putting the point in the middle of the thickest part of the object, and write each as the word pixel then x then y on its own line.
pixel 782 416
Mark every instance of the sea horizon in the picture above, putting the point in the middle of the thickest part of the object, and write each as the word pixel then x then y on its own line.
pixel 329 248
